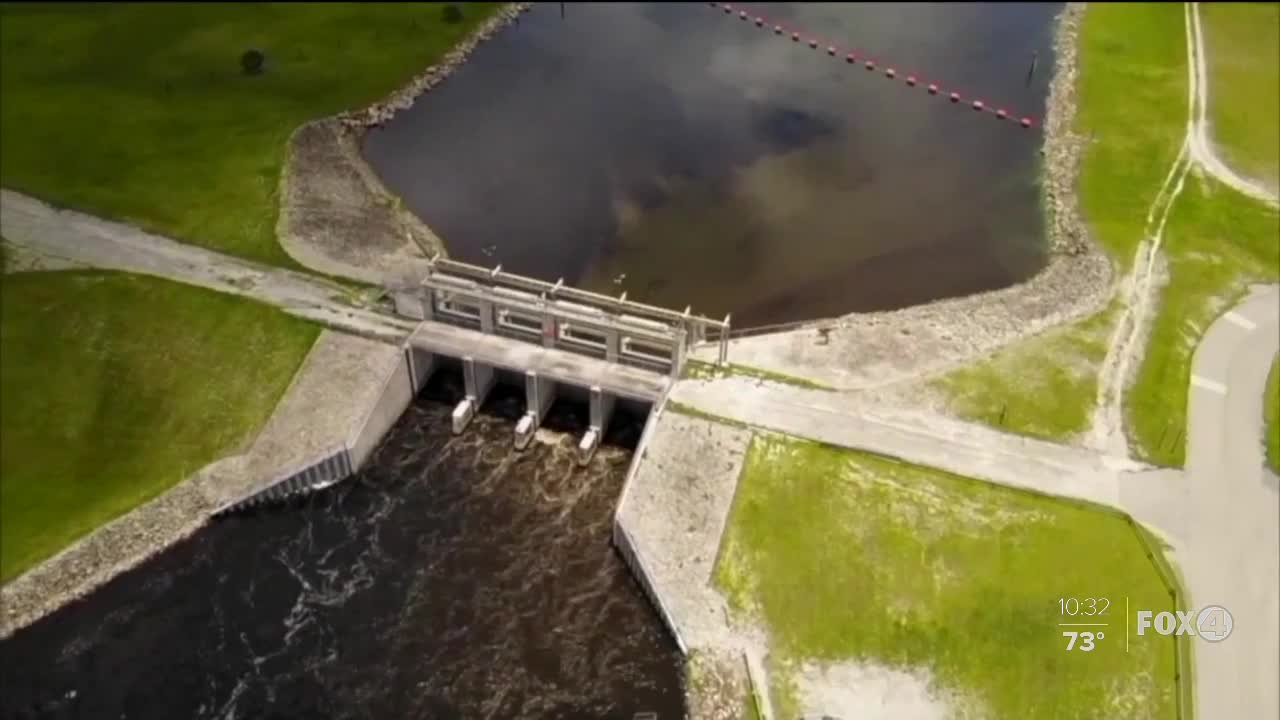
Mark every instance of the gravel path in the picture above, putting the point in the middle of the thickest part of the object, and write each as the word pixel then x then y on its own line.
pixel 38 229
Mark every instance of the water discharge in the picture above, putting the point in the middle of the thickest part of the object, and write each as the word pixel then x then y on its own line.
pixel 687 157
pixel 452 578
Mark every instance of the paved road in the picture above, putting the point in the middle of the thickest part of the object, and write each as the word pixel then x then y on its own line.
pixel 73 238
pixel 1230 553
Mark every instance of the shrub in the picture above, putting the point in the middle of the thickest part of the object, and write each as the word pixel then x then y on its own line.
pixel 251 61
pixel 452 13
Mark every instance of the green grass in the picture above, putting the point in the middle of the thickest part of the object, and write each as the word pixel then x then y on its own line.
pixel 1243 56
pixel 843 556
pixel 140 112
pixel 699 370
pixel 1132 106
pixel 1043 387
pixel 1271 415
pixel 1218 242
pixel 1132 100
pixel 115 387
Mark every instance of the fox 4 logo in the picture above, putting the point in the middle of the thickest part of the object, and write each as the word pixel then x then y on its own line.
pixel 1212 623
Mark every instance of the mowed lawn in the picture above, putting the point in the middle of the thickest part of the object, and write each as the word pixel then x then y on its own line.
pixel 140 111
pixel 847 557
pixel 113 387
pixel 1242 51
pixel 1131 98
pixel 1218 242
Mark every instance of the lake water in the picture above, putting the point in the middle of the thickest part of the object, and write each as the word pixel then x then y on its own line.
pixel 453 578
pixel 688 157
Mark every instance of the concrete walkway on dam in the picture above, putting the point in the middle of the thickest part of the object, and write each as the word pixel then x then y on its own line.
pixel 923 438
pixel 70 239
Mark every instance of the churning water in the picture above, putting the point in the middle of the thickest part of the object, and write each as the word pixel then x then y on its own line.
pixel 452 578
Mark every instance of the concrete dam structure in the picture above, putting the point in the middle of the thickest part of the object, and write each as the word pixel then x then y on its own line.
pixel 551 338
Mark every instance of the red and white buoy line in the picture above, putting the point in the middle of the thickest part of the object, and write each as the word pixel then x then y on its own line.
pixel 853 57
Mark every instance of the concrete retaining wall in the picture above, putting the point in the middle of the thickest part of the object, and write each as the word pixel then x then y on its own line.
pixel 397 391
pixel 396 394
pixel 622 539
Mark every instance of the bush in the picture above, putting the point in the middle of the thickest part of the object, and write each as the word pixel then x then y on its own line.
pixel 452 13
pixel 251 61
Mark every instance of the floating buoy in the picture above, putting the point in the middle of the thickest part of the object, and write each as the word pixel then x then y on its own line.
pixel 813 44
pixel 777 29
pixel 795 37
pixel 1026 122
pixel 955 97
pixel 977 104
pixel 728 9
pixel 890 73
pixel 851 58
pixel 742 15
pixel 712 4
pixel 1001 114
pixel 933 89
pixel 871 65
pixel 911 80
pixel 831 51
pixel 759 22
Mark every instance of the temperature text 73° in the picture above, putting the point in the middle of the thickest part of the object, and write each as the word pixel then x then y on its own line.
pixel 1086 639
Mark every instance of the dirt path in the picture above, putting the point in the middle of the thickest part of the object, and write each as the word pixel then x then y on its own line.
pixel 67 237
pixel 1202 150
pixel 1142 284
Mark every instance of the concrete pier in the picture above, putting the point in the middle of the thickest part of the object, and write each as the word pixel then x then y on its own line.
pixel 539 392
pixel 601 404
pixel 478 380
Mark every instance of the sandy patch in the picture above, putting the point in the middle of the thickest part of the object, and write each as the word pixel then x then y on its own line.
pixel 872 692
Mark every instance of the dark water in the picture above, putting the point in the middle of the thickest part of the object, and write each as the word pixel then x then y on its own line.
pixel 719 165
pixel 453 578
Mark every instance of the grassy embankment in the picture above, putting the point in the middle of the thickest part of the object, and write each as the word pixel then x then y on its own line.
pixel 1133 98
pixel 141 112
pixel 1271 415
pixel 1218 242
pixel 915 569
pixel 107 402
pixel 1242 41
pixel 1131 65
pixel 115 387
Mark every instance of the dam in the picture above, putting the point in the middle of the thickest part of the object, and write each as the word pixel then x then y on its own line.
pixel 547 337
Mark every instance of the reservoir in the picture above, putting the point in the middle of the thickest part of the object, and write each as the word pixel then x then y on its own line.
pixel 689 157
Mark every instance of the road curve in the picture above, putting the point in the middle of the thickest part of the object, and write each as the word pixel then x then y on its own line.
pixel 1230 554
